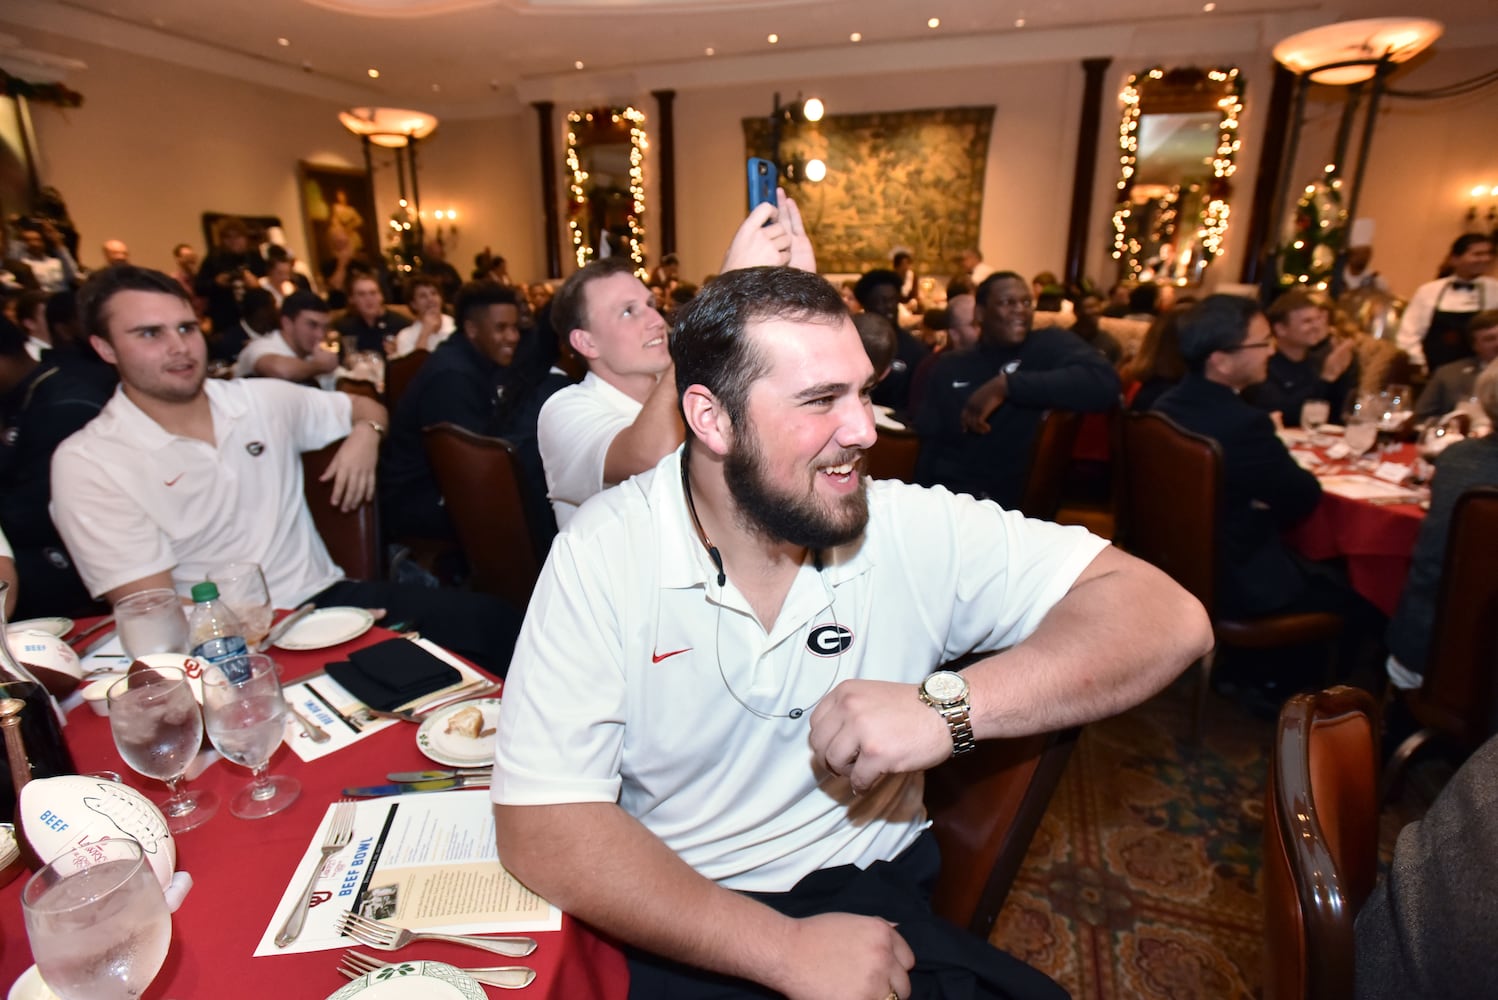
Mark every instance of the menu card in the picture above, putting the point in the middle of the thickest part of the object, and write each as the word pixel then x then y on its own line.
pixel 342 716
pixel 425 862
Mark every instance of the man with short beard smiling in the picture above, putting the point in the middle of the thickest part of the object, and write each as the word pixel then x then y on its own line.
pixel 722 703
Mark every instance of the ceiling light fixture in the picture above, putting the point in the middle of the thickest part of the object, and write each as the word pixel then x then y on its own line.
pixel 1019 22
pixel 390 127
pixel 1209 7
pixel 1350 51
pixel 283 42
pixel 934 22
pixel 710 51
pixel 773 39
pixel 578 64
pixel 857 36
pixel 374 74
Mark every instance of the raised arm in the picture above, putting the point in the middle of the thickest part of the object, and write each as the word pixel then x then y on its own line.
pixel 655 433
pixel 601 865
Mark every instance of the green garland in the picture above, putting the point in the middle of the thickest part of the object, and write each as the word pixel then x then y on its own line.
pixel 39 93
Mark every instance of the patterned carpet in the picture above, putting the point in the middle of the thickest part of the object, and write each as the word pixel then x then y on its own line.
pixel 1143 878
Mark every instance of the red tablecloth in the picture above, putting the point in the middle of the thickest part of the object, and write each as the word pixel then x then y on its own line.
pixel 241 868
pixel 1375 540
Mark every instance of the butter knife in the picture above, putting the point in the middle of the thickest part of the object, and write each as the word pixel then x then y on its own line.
pixel 442 785
pixel 438 774
pixel 283 626
pixel 104 624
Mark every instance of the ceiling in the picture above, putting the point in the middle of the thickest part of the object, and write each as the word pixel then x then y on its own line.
pixel 473 56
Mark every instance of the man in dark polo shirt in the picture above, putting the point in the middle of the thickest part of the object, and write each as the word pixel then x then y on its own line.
pixel 367 321
pixel 1307 362
pixel 483 379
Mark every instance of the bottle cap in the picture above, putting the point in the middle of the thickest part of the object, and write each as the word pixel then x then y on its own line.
pixel 205 591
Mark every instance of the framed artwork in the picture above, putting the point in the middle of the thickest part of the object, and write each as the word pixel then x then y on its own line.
pixel 18 180
pixel 910 179
pixel 338 212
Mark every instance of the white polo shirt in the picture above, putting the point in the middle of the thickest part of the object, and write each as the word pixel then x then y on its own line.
pixel 615 693
pixel 274 345
pixel 407 339
pixel 574 431
pixel 130 499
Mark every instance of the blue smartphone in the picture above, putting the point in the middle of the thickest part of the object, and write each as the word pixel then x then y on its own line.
pixel 762 182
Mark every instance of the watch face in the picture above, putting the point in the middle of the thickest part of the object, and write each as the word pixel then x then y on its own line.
pixel 944 687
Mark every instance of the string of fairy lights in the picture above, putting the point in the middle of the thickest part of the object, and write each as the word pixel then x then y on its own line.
pixel 1214 219
pixel 638 143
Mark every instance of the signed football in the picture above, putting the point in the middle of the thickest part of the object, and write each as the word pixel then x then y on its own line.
pixel 59 814
pixel 49 659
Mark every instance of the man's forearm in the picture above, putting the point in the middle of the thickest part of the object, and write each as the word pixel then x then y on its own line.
pixel 653 435
pixel 601 865
pixel 1122 633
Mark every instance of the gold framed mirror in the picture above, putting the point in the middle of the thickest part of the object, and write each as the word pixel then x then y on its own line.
pixel 606 167
pixel 1178 142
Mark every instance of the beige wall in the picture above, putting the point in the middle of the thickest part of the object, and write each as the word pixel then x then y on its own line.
pixel 1426 158
pixel 156 144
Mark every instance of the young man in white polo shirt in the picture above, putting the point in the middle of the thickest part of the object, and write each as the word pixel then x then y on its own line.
pixel 722 686
pixel 622 417
pixel 179 474
pixel 295 352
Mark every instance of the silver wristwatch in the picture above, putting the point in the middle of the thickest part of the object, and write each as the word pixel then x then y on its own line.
pixel 947 692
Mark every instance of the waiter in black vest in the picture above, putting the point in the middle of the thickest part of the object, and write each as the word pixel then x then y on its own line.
pixel 1434 328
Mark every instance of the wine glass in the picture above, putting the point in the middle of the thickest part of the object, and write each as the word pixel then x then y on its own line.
pixel 151 621
pixel 246 721
pixel 1314 413
pixel 1360 436
pixel 97 921
pixel 242 587
pixel 158 730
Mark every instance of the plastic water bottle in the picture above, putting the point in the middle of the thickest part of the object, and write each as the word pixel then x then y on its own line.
pixel 216 635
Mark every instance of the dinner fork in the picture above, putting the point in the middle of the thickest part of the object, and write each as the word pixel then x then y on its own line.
pixel 340 834
pixel 506 977
pixel 387 937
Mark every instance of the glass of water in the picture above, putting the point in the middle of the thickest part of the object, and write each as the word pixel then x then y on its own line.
pixel 1314 413
pixel 242 587
pixel 158 730
pixel 97 921
pixel 246 721
pixel 151 621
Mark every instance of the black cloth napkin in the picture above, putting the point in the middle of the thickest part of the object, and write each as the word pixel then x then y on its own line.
pixel 391 673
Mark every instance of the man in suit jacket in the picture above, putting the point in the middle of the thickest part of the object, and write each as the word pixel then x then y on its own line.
pixel 1427 930
pixel 1225 342
pixel 1452 383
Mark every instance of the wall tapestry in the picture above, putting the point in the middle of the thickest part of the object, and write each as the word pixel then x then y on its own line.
pixel 910 179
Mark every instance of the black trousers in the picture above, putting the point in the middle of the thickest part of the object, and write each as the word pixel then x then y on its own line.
pixel 950 963
pixel 478 626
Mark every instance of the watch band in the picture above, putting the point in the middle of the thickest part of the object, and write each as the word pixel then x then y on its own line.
pixel 378 427
pixel 961 725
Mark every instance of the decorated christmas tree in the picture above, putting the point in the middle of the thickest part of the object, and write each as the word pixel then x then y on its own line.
pixel 1314 234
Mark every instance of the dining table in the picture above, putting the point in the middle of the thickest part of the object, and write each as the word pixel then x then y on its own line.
pixel 242 868
pixel 1373 538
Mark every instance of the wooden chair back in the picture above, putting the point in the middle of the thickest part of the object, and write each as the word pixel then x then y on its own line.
pixel 1050 458
pixel 893 455
pixel 1456 697
pixel 352 538
pixel 1172 490
pixel 398 374
pixel 984 808
pixel 480 481
pixel 1320 842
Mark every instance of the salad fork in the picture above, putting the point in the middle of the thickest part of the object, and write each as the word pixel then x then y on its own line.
pixel 507 977
pixel 386 937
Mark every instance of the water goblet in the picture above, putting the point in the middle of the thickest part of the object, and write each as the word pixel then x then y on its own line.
pixel 242 587
pixel 1360 436
pixel 151 621
pixel 1314 413
pixel 158 730
pixel 246 721
pixel 97 921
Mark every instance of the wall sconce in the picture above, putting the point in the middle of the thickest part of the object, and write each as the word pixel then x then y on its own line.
pixel 1477 221
pixel 445 232
pixel 810 109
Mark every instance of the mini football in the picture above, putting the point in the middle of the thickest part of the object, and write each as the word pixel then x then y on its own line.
pixel 190 666
pixel 73 810
pixel 49 659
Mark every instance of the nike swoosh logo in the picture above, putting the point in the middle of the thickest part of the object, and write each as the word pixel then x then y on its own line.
pixel 658 657
pixel 173 480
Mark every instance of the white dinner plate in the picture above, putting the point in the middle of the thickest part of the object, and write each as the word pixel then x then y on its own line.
pixel 57 626
pixel 414 981
pixel 327 627
pixel 30 987
pixel 433 739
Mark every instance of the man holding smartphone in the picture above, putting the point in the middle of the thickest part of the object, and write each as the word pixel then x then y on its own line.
pixel 622 418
